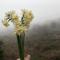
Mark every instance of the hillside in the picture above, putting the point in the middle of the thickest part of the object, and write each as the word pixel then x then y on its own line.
pixel 42 41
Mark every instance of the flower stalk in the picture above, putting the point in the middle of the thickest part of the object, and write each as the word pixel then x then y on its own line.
pixel 20 41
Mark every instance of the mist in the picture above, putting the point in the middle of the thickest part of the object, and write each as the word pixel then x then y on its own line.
pixel 43 10
pixel 43 36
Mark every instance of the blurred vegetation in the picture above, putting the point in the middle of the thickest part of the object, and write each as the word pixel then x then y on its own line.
pixel 1 51
pixel 43 42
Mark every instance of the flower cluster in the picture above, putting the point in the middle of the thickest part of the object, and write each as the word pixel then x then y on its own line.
pixel 20 24
pixel 27 17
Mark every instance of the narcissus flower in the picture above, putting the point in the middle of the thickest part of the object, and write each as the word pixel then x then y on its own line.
pixel 19 29
pixel 27 17
pixel 20 25
pixel 5 23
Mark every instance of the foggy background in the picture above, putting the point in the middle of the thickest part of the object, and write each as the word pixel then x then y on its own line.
pixel 43 10
pixel 43 36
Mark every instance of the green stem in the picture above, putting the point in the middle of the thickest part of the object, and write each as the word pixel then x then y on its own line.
pixel 20 41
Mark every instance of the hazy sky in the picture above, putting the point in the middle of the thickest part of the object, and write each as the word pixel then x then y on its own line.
pixel 42 9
